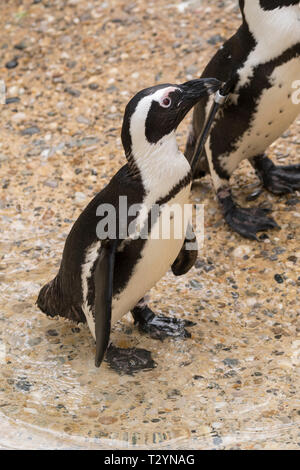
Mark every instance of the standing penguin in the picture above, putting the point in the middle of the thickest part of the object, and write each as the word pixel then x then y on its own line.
pixel 101 277
pixel 259 64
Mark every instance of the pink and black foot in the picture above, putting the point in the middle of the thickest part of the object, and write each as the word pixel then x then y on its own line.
pixel 277 179
pixel 159 326
pixel 129 361
pixel 245 221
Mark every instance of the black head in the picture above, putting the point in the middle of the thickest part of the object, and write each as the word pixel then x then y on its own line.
pixel 155 112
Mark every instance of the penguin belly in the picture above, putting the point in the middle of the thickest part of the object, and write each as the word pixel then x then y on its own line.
pixel 157 256
pixel 274 113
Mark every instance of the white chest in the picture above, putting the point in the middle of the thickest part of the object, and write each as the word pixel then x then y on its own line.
pixel 275 112
pixel 159 253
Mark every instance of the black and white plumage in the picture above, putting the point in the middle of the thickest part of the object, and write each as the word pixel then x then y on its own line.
pixel 260 62
pixel 100 280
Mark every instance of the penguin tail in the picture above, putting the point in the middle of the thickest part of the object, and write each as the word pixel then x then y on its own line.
pixel 52 302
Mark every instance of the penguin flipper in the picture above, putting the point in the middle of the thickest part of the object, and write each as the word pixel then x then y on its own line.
pixel 187 255
pixel 103 277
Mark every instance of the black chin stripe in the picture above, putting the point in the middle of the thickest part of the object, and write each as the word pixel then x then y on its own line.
pixel 273 4
pixel 176 189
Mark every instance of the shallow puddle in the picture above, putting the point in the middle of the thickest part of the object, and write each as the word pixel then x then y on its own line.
pixel 230 386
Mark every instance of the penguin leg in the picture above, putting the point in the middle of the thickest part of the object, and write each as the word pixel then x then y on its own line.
pixel 159 326
pixel 245 221
pixel 121 360
pixel 277 179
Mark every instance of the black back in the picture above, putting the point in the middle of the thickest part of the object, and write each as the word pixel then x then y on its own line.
pixel 63 295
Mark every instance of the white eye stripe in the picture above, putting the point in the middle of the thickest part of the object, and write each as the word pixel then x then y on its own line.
pixel 166 102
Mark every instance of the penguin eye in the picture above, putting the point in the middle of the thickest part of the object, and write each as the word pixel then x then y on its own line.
pixel 166 102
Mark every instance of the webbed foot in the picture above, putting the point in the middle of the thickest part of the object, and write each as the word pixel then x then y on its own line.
pixel 159 326
pixel 245 221
pixel 277 179
pixel 128 361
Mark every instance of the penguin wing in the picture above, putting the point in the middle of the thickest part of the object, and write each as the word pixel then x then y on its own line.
pixel 187 255
pixel 103 277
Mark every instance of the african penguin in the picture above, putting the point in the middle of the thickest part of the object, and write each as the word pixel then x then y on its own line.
pixel 101 277
pixel 260 63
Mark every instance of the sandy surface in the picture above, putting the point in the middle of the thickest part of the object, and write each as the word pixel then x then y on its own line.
pixel 235 383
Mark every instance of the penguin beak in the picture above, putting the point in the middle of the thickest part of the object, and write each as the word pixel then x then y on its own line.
pixel 194 90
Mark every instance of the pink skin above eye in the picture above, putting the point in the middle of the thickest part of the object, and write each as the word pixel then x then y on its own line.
pixel 166 101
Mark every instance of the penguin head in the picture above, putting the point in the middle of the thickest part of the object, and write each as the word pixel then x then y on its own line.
pixel 152 116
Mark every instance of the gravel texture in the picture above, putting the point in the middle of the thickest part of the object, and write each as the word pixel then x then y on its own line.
pixel 70 67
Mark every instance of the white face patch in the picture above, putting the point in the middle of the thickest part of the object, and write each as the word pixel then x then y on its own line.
pixel 138 119
pixel 161 165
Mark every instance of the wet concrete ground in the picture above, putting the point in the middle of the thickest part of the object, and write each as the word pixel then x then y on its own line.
pixel 235 383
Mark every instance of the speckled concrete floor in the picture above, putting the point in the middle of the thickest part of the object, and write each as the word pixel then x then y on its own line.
pixel 235 383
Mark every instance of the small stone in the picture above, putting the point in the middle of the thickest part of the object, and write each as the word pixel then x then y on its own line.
pixel 72 92
pixel 20 46
pixel 83 120
pixel 3 157
pixel 24 385
pixel 52 333
pixel 93 86
pixel 51 183
pixel 278 278
pixel 79 196
pixel 215 39
pixel 231 362
pixel 217 441
pixel 241 251
pixel 192 70
pixel 13 99
pixel 12 64
pixel 108 420
pixel 195 284
pixel 31 130
pixel 34 341
pixel 18 117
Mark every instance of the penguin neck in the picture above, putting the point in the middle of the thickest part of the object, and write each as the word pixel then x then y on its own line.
pixel 275 29
pixel 161 166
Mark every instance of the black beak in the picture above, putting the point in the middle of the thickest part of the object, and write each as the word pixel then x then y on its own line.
pixel 194 90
